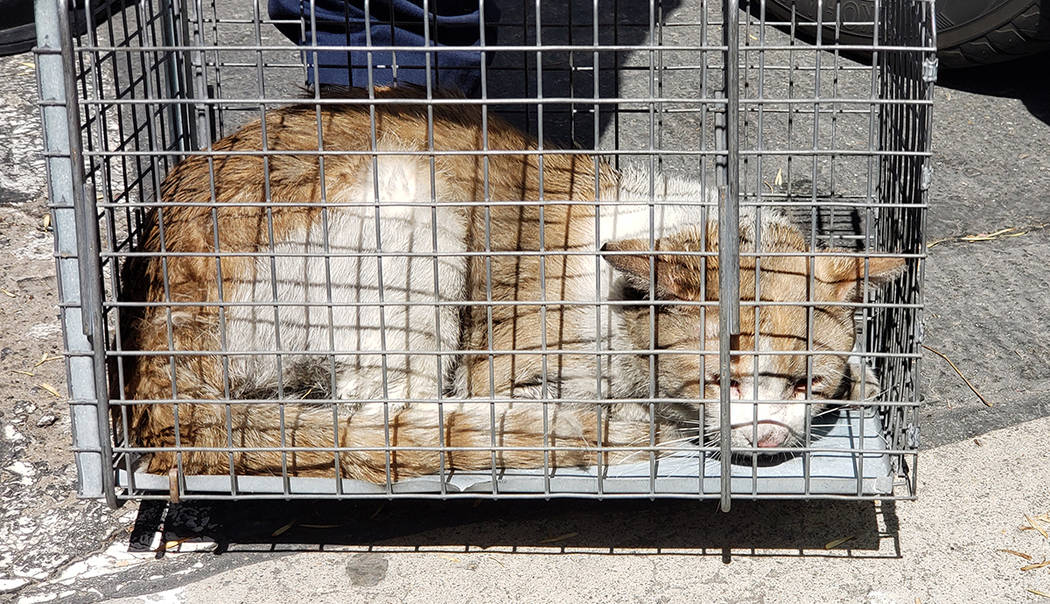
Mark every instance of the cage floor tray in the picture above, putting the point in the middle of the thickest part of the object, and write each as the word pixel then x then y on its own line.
pixel 847 457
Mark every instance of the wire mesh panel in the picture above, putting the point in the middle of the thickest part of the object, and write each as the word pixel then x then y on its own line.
pixel 489 249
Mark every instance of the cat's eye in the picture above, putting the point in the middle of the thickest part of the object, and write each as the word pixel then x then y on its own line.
pixel 800 385
pixel 717 381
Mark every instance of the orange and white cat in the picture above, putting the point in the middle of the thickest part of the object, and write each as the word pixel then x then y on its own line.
pixel 391 284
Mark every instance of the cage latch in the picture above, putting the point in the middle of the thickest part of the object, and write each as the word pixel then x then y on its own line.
pixel 913 436
pixel 929 70
pixel 926 178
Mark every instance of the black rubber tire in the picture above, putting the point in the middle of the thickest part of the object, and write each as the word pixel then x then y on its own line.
pixel 18 32
pixel 1022 34
pixel 969 32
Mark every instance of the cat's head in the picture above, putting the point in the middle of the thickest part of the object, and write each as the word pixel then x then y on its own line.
pixel 806 303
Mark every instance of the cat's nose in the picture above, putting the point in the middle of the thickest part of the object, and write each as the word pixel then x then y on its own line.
pixel 772 436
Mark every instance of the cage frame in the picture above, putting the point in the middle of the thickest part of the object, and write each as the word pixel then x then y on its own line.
pixel 79 252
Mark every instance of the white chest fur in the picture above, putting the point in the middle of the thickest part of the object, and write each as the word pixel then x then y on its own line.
pixel 390 329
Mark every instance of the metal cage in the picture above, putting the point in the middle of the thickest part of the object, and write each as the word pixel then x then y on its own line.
pixel 763 114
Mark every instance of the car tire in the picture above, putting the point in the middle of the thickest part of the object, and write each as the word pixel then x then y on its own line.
pixel 969 32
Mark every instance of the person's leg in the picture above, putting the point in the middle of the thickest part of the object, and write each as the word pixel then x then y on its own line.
pixel 392 23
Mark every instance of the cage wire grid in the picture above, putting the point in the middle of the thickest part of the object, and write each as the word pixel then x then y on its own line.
pixel 836 136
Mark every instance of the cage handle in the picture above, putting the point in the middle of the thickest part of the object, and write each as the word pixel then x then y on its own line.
pixel 728 246
pixel 86 223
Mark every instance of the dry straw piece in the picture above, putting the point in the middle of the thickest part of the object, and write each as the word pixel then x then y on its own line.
pixel 1036 527
pixel 45 359
pixel 283 529
pixel 1015 553
pixel 945 357
pixel 50 389
pixel 993 236
pixel 559 538
pixel 837 542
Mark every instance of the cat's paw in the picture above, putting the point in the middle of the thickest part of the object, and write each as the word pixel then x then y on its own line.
pixel 395 409
pixel 355 390
pixel 375 408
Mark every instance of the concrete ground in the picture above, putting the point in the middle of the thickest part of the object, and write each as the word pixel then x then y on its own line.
pixel 982 468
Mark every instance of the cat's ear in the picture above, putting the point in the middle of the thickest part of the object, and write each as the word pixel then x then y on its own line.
pixel 844 275
pixel 676 276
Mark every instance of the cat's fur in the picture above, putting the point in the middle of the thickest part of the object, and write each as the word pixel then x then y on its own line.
pixel 431 296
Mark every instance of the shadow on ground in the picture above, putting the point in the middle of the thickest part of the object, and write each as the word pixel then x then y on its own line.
pixel 1023 79
pixel 771 528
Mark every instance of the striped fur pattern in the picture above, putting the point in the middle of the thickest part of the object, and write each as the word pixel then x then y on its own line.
pixel 393 284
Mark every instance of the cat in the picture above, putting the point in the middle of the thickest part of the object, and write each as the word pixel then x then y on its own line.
pixel 491 332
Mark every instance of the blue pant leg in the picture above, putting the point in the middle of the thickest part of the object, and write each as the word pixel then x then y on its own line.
pixel 391 23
